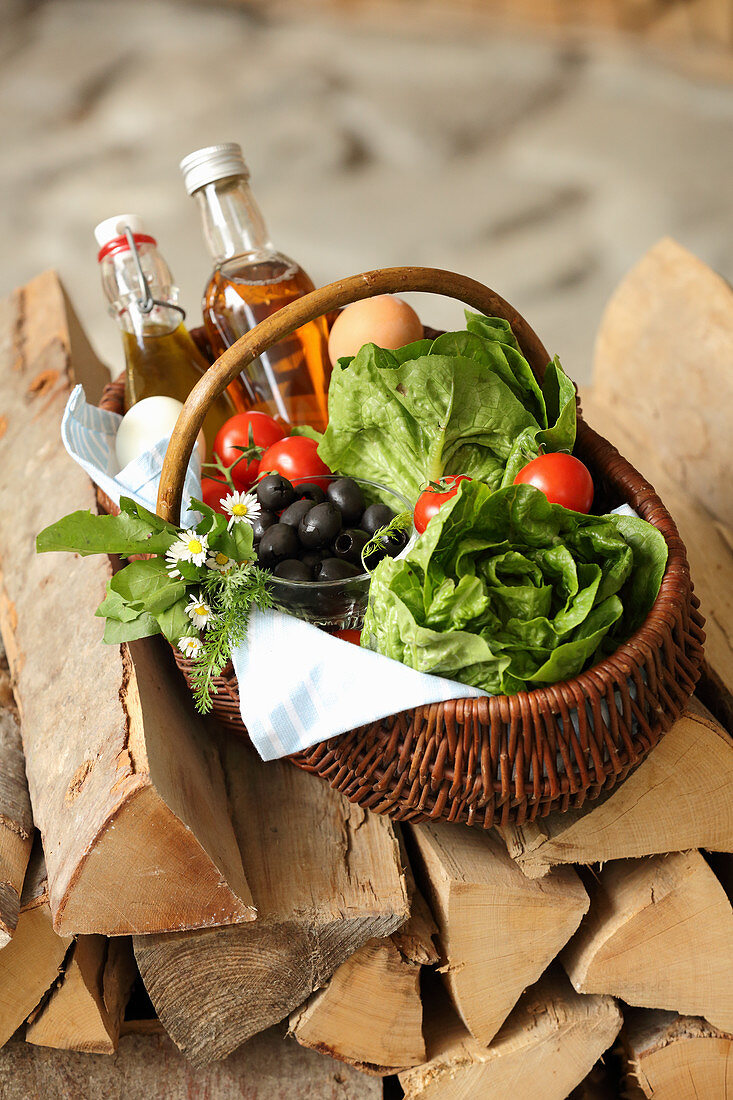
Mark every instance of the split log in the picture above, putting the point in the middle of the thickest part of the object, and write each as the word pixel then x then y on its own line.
pixel 370 1013
pixel 32 960
pixel 666 338
pixel 269 1067
pixel 498 930
pixel 680 797
pixel 16 819
pixel 122 783
pixel 85 1008
pixel 326 876
pixel 546 1047
pixel 659 934
pixel 677 1057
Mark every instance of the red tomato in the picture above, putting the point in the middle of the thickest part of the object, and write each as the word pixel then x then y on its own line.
pixel 433 498
pixel 212 492
pixel 349 636
pixel 236 433
pixel 562 478
pixel 296 458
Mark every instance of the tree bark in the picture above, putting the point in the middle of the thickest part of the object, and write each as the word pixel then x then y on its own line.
pixel 498 930
pixel 126 792
pixel 16 818
pixel 326 876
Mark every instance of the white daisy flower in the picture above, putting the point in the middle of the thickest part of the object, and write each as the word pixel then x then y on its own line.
pixel 220 561
pixel 191 546
pixel 198 612
pixel 241 507
pixel 190 646
pixel 172 558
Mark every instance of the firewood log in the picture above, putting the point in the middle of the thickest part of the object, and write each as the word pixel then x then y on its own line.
pixel 326 877
pixel 662 365
pixel 16 819
pixel 32 961
pixel 498 930
pixel 269 1067
pixel 659 933
pixel 86 1006
pixel 122 783
pixel 370 1013
pixel 544 1049
pixel 680 797
pixel 674 1057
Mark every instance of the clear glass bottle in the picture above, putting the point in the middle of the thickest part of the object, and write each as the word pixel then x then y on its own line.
pixel 161 357
pixel 250 281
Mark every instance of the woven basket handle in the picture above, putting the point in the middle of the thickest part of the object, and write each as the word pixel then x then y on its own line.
pixel 393 280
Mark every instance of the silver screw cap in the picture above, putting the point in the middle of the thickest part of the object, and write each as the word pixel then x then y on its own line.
pixel 214 162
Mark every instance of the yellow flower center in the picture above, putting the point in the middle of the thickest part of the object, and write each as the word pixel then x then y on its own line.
pixel 195 546
pixel 239 509
pixel 200 610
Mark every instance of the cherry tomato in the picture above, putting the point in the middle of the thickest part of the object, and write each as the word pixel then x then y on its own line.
pixel 562 478
pixel 434 497
pixel 212 492
pixel 353 636
pixel 235 433
pixel 295 458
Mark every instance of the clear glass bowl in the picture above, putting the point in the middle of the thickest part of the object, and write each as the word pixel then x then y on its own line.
pixel 337 605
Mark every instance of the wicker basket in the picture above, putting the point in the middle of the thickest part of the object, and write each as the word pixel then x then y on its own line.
pixel 507 758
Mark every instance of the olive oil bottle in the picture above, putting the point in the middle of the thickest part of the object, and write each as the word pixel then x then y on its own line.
pixel 161 358
pixel 252 280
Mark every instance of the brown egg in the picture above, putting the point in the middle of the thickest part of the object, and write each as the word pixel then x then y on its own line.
pixel 385 321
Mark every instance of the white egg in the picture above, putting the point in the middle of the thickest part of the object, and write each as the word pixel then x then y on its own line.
pixel 144 424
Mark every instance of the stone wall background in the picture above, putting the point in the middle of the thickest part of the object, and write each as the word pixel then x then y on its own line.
pixel 542 165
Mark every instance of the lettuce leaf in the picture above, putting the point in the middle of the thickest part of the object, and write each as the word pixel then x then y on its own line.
pixel 467 402
pixel 506 591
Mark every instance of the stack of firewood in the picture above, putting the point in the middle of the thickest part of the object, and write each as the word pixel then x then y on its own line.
pixel 589 951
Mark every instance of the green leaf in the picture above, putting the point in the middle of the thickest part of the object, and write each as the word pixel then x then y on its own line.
pixel 148 583
pixel 144 626
pixel 156 523
pixel 115 606
pixel 86 533
pixel 306 430
pixel 174 622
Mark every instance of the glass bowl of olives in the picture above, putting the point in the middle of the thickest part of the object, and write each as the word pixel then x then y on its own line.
pixel 311 535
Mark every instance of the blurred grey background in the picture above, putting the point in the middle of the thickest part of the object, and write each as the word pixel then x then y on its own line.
pixel 536 155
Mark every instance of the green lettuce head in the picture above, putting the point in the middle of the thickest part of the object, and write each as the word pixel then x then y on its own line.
pixel 505 591
pixel 465 403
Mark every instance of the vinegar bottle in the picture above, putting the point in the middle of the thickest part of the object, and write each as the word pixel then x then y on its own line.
pixel 250 281
pixel 161 358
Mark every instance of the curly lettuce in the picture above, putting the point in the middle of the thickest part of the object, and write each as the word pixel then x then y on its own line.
pixel 506 592
pixel 466 402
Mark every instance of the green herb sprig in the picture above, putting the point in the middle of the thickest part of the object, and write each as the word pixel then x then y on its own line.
pixel 396 526
pixel 231 597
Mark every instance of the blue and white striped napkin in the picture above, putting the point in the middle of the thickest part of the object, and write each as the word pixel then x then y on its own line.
pixel 88 433
pixel 299 685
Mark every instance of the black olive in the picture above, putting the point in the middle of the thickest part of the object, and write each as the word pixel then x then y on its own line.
pixel 347 496
pixel 295 512
pixel 349 545
pixel 292 570
pixel 275 492
pixel 261 522
pixel 313 558
pixel 336 569
pixel 389 546
pixel 310 491
pixel 320 525
pixel 278 543
pixel 376 516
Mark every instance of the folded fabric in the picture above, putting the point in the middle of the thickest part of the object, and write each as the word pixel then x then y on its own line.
pixel 88 433
pixel 299 685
